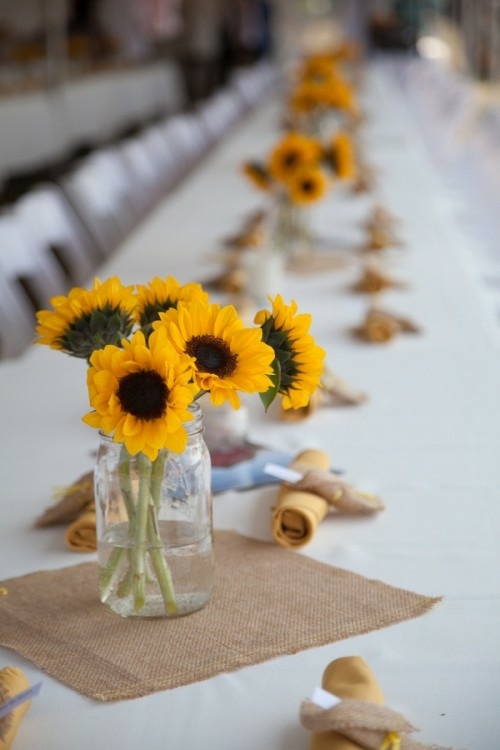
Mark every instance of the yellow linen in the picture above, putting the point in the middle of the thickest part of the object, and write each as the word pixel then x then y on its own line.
pixel 80 536
pixel 12 682
pixel 298 513
pixel 347 677
pixel 391 742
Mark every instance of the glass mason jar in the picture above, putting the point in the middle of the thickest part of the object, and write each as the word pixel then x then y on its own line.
pixel 290 230
pixel 154 527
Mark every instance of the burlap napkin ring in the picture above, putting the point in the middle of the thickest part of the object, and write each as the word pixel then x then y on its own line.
pixel 379 238
pixel 252 233
pixel 373 280
pixel 380 326
pixel 74 500
pixel 371 726
pixel 381 218
pixel 75 507
pixel 335 391
pixel 365 179
pixel 339 494
pixel 231 281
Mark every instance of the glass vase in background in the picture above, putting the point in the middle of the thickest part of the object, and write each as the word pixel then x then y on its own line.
pixel 154 527
pixel 290 229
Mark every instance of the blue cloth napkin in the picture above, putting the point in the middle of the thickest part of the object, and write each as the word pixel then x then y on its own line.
pixel 249 473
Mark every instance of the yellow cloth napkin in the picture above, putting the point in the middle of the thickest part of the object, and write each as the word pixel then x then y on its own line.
pixel 347 677
pixel 12 682
pixel 80 536
pixel 303 505
pixel 298 513
pixel 359 720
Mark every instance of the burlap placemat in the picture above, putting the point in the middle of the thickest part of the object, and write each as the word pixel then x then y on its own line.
pixel 267 602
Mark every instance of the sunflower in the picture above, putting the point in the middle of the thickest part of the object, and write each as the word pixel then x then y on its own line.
pixel 304 98
pixel 336 94
pixel 257 174
pixel 86 320
pixel 228 357
pixel 293 152
pixel 341 156
pixel 308 185
pixel 140 394
pixel 299 360
pixel 159 295
pixel 318 70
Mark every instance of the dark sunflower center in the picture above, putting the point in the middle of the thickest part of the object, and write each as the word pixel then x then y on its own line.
pixel 212 355
pixel 143 394
pixel 307 186
pixel 291 159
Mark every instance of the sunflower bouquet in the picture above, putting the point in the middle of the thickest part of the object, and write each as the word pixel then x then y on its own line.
pixel 321 93
pixel 297 173
pixel 153 351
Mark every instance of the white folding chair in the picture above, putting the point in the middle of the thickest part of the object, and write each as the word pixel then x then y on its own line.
pixel 166 159
pixel 220 112
pixel 28 268
pixel 186 134
pixel 147 171
pixel 256 81
pixel 17 321
pixel 101 189
pixel 49 219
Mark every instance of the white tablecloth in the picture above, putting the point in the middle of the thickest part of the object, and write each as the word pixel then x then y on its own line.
pixel 427 440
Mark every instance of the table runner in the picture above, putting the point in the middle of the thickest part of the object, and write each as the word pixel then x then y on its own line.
pixel 267 602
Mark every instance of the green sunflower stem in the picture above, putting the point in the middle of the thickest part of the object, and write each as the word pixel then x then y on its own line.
pixel 160 564
pixel 157 477
pixel 156 552
pixel 126 483
pixel 109 572
pixel 140 533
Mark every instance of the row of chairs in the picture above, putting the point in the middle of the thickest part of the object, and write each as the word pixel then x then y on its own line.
pixel 56 235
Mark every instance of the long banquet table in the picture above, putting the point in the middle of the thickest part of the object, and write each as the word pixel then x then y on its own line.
pixel 427 440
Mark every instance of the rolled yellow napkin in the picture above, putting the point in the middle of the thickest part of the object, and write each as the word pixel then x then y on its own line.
pixel 303 505
pixel 359 720
pixel 12 682
pixel 347 677
pixel 298 513
pixel 80 536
